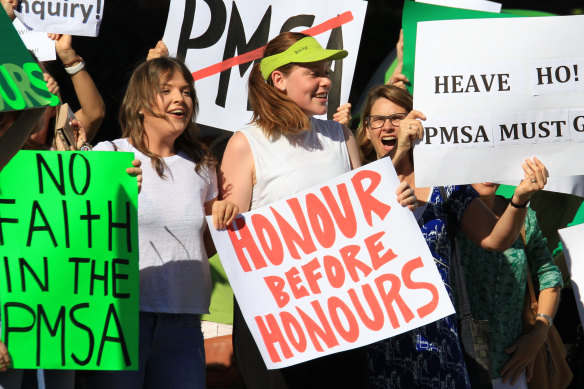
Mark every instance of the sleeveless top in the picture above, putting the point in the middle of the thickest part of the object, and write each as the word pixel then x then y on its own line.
pixel 288 164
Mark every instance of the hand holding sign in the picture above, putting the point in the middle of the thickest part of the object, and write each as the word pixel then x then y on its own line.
pixel 535 178
pixel 409 131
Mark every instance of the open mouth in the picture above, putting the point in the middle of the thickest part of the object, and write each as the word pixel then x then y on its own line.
pixel 389 141
pixel 178 113
pixel 323 95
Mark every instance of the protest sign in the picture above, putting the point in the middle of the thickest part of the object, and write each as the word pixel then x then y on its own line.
pixel 574 253
pixel 69 260
pixel 77 17
pixel 220 41
pixel 38 42
pixel 332 268
pixel 512 93
pixel 21 79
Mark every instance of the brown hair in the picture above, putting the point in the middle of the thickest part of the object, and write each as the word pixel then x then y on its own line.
pixel 273 111
pixel 390 92
pixel 140 96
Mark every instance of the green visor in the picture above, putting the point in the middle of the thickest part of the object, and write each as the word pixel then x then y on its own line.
pixel 304 51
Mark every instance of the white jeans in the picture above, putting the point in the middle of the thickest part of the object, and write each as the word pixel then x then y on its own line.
pixel 520 384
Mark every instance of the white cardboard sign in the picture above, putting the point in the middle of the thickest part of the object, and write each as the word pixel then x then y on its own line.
pixel 499 91
pixel 37 42
pixel 574 252
pixel 75 17
pixel 332 268
pixel 220 40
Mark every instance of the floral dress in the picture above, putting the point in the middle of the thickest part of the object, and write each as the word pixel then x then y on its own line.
pixel 428 357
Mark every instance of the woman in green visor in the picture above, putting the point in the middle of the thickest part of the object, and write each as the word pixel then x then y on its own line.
pixel 286 150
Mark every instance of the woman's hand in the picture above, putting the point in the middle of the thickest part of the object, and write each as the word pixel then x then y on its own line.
pixel 534 178
pixel 136 171
pixel 64 48
pixel 410 129
pixel 159 51
pixel 52 85
pixel 524 351
pixel 398 80
pixel 223 213
pixel 4 357
pixel 343 114
pixel 406 196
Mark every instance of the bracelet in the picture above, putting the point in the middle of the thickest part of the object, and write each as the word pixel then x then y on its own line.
pixel 75 69
pixel 548 318
pixel 519 206
pixel 76 60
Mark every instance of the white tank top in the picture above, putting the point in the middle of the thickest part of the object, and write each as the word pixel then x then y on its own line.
pixel 289 164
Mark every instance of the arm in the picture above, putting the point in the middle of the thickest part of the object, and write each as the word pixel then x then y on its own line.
pixel 236 175
pixel 92 109
pixel 526 347
pixel 397 78
pixel 352 147
pixel 410 130
pixel 481 226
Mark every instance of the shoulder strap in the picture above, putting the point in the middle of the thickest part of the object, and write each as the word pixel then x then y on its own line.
pixel 114 145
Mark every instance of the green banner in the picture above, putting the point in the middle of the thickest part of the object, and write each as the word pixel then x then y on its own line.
pixel 415 12
pixel 69 260
pixel 21 79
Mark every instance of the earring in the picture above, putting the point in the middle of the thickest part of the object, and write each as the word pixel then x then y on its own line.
pixel 140 113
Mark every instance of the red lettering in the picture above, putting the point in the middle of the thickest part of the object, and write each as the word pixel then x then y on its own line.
pixel 352 333
pixel 272 336
pixel 324 331
pixel 291 236
pixel 369 204
pixel 334 270
pixel 276 286
pixel 294 280
pixel 274 250
pixel 374 247
pixel 247 242
pixel 312 275
pixel 320 221
pixel 293 330
pixel 347 223
pixel 393 295
pixel 407 270
pixel 376 322
pixel 348 254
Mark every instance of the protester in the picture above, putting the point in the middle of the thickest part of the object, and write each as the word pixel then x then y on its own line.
pixel 157 120
pixel 282 152
pixel 431 355
pixel 496 283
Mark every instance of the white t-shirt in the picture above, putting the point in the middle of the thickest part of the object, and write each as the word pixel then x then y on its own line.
pixel 174 267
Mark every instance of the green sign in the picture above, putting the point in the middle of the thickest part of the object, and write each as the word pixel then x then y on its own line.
pixel 69 260
pixel 21 79
pixel 415 12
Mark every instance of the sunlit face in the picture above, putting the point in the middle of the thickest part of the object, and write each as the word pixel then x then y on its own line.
pixel 384 139
pixel 175 104
pixel 485 188
pixel 308 86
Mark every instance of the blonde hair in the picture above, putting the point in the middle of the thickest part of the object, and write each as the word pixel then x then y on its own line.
pixel 140 97
pixel 390 92
pixel 273 111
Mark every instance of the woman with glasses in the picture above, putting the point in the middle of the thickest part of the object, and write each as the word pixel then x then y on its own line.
pixel 431 356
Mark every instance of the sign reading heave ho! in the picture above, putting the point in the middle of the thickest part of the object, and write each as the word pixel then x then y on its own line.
pixel 333 268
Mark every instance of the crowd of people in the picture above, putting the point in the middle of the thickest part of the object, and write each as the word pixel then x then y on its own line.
pixel 498 241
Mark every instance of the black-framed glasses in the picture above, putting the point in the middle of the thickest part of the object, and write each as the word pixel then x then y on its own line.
pixel 378 121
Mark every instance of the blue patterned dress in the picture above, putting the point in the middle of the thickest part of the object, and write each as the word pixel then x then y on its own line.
pixel 428 357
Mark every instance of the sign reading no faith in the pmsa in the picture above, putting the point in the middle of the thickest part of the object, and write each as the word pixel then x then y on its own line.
pixel 332 268
pixel 221 40
pixel 69 260
pixel 500 91
pixel 22 85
